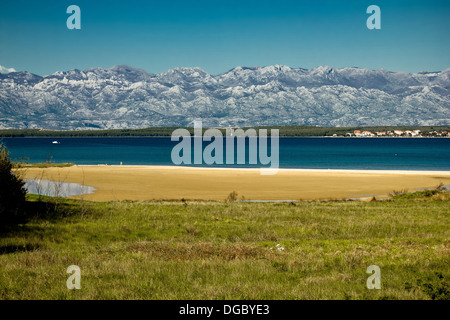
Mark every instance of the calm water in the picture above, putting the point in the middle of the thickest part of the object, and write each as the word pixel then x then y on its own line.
pixel 56 188
pixel 312 153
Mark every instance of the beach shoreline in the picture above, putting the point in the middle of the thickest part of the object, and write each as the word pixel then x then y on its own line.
pixel 176 167
pixel 115 182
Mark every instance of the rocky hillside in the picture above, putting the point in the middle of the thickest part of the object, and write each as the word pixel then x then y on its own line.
pixel 125 97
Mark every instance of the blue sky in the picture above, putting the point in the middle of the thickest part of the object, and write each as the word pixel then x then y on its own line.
pixel 218 35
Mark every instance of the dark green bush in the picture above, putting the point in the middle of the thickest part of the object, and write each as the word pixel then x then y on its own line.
pixel 12 192
pixel 436 286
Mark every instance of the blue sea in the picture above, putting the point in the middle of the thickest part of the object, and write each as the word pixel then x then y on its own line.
pixel 307 153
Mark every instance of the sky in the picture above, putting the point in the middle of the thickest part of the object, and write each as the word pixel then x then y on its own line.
pixel 218 35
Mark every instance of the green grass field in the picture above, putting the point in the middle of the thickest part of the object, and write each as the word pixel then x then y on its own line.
pixel 217 250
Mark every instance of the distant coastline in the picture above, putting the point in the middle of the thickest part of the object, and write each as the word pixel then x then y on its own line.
pixel 284 131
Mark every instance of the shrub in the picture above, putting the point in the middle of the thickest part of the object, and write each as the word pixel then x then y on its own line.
pixel 418 195
pixel 12 191
pixel 232 197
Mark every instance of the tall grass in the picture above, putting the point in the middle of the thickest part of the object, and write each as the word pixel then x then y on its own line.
pixel 217 250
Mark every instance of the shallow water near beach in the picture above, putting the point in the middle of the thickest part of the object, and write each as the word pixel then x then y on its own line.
pixel 55 188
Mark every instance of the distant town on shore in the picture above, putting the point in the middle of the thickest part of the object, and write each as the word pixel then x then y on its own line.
pixel 396 133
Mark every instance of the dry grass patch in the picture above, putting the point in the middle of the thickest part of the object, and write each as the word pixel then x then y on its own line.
pixel 198 251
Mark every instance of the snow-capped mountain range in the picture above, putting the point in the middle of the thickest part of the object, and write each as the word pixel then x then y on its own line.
pixel 125 97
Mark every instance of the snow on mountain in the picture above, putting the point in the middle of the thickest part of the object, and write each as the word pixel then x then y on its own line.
pixel 4 70
pixel 125 97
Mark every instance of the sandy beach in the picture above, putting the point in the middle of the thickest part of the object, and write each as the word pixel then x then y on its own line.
pixel 165 182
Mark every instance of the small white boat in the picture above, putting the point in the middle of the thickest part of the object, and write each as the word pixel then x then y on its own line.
pixel 56 142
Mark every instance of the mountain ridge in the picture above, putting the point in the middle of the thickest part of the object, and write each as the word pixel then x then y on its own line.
pixel 127 97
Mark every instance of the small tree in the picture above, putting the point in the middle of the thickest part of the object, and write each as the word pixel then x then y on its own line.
pixel 12 191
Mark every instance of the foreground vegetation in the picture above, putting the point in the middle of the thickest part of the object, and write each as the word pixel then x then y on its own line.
pixel 230 250
pixel 12 192
pixel 285 131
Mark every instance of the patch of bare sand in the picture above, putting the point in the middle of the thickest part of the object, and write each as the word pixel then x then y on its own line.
pixel 164 182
